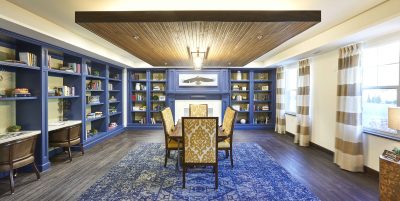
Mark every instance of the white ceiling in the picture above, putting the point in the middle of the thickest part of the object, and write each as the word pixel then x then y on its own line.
pixel 333 12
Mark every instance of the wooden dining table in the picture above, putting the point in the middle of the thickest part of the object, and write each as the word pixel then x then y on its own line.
pixel 177 136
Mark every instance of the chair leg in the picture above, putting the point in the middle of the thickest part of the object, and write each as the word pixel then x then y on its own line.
pixel 83 152
pixel 184 177
pixel 216 176
pixel 69 154
pixel 12 181
pixel 166 155
pixel 231 158
pixel 36 171
pixel 226 153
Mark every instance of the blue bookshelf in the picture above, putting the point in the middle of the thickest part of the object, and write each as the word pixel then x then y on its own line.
pixel 147 97
pixel 55 68
pixel 252 94
pixel 95 73
pixel 114 97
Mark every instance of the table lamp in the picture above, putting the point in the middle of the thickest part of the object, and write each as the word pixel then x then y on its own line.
pixel 394 118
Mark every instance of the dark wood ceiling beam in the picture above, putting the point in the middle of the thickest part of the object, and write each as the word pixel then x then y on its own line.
pixel 208 16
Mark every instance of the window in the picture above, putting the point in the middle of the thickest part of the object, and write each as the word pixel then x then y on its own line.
pixel 290 89
pixel 380 85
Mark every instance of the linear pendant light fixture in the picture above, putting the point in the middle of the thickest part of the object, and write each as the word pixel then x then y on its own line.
pixel 198 58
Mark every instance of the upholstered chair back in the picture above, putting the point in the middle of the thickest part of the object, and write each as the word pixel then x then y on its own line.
pixel 200 140
pixel 19 153
pixel 198 110
pixel 168 121
pixel 64 135
pixel 229 120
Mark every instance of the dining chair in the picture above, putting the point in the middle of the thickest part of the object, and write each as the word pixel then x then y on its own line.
pixel 66 138
pixel 16 154
pixel 198 110
pixel 227 130
pixel 169 128
pixel 200 140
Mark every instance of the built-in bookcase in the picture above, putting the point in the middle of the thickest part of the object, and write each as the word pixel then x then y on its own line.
pixel 263 101
pixel 240 94
pixel 115 112
pixel 64 85
pixel 41 84
pixel 253 96
pixel 96 99
pixel 157 95
pixel 147 97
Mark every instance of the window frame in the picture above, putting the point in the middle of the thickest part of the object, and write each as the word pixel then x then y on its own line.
pixel 372 131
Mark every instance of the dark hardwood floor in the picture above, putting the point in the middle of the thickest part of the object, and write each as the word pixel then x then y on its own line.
pixel 312 167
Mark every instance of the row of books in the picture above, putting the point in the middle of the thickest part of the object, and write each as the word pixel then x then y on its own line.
pixel 110 86
pixel 62 91
pixel 29 58
pixel 93 85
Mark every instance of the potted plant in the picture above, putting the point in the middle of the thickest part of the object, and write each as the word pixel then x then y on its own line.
pixel 14 128
pixel 396 151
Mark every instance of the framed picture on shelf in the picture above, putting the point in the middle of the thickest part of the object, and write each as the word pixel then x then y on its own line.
pixel 161 98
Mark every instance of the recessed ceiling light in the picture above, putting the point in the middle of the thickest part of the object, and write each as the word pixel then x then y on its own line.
pixel 165 63
pixel 229 63
pixel 136 37
pixel 259 37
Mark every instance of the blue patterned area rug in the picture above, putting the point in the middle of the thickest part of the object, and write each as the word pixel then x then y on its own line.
pixel 141 175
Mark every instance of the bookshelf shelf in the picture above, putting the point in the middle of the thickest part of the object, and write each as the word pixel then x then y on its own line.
pixel 114 80
pixel 95 77
pixel 94 119
pixel 94 90
pixel 139 111
pixel 18 65
pixel 115 113
pixel 94 104
pixel 261 81
pixel 62 97
pixel 55 72
pixel 114 102
pixel 114 90
pixel 18 98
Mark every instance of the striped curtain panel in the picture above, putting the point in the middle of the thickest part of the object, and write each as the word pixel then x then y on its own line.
pixel 348 143
pixel 303 104
pixel 280 101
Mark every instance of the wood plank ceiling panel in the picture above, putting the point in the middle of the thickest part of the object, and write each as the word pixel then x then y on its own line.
pixel 166 43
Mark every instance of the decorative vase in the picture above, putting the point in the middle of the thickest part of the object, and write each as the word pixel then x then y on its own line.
pixel 239 75
pixel 137 87
pixel 243 121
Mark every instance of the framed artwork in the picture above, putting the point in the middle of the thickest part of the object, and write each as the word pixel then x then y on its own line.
pixel 198 80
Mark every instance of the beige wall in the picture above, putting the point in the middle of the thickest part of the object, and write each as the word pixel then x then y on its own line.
pixel 323 84
pixel 53 113
pixel 7 108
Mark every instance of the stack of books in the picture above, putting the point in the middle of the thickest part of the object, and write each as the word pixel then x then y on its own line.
pixel 18 92
pixel 29 58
